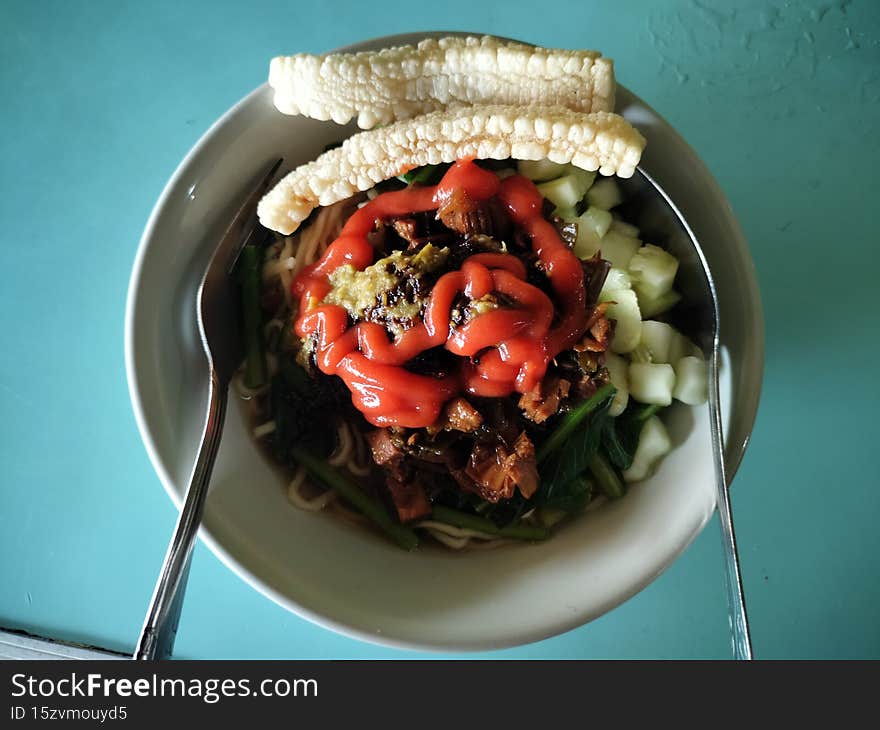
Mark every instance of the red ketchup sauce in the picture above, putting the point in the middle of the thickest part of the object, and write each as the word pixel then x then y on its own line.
pixel 512 344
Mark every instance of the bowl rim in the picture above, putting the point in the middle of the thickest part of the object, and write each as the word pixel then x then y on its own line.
pixel 134 377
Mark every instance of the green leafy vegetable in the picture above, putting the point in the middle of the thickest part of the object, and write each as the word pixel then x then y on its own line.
pixel 370 508
pixel 250 272
pixel 573 496
pixel 273 342
pixel 559 472
pixel 501 513
pixel 516 531
pixel 425 175
pixel 566 455
pixel 300 406
pixel 607 478
pixel 573 419
pixel 295 377
pixel 621 435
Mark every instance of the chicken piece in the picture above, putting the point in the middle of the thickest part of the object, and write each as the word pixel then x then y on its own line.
pixel 523 466
pixel 497 471
pixel 600 331
pixel 599 141
pixel 458 415
pixel 539 404
pixel 380 87
pixel 406 228
pixel 595 272
pixel 386 449
pixel 409 499
pixel 474 217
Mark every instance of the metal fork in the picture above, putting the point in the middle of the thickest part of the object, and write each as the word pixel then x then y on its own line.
pixel 217 316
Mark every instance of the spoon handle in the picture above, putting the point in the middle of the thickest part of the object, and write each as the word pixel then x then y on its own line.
pixel 739 623
pixel 156 640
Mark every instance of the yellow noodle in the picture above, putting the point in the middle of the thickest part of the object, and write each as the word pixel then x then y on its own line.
pixel 356 462
pixel 272 363
pixel 264 429
pixel 274 323
pixel 314 504
pixel 596 503
pixel 490 544
pixel 347 513
pixel 453 531
pixel 359 470
pixel 243 391
pixel 342 453
pixel 456 543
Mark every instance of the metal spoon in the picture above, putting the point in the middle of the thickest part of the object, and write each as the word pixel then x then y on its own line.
pixel 218 330
pixel 656 213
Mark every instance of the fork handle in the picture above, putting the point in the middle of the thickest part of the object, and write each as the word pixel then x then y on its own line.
pixel 739 622
pixel 156 640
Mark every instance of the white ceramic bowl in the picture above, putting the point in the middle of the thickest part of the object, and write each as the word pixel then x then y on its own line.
pixel 352 580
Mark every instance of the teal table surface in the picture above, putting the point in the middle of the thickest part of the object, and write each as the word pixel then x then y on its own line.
pixel 99 101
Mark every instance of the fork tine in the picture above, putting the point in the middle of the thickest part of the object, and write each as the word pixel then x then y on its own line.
pixel 251 220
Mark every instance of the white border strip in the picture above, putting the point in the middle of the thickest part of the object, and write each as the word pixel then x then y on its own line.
pixel 20 646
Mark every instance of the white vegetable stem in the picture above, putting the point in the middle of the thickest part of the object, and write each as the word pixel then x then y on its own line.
pixel 652 306
pixel 651 383
pixel 541 170
pixel 657 337
pixel 564 192
pixel 618 248
pixel 604 194
pixel 596 219
pixel 691 381
pixel 653 271
pixel 624 309
pixel 617 369
pixel 654 443
pixel 616 280
pixel 681 347
pixel 624 228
